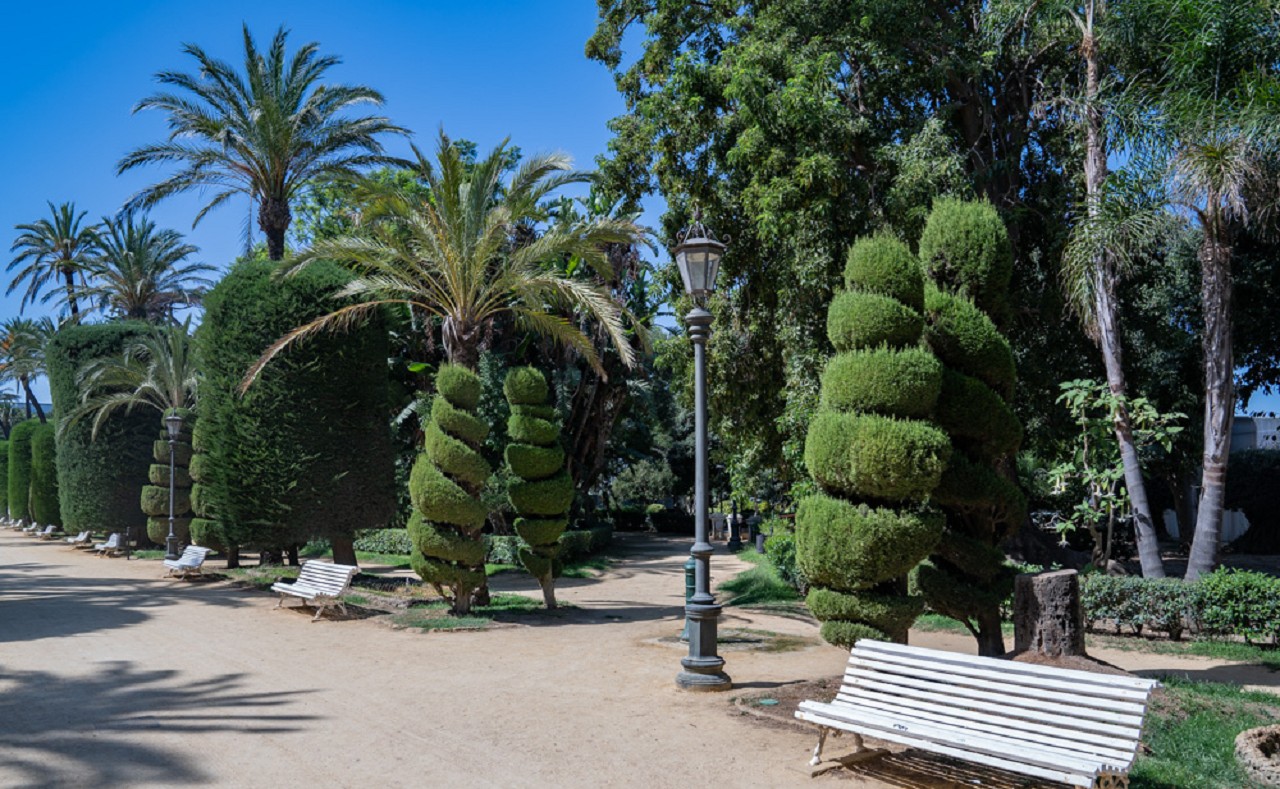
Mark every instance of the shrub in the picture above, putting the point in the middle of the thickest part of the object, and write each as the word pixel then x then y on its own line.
pixel 968 341
pixel 780 549
pixel 306 451
pixel 847 546
pixel 876 457
pixel 975 416
pixel 869 320
pixel 44 476
pixel 1240 603
pixel 158 530
pixel 208 533
pixel 543 492
pixel 966 248
pixel 4 477
pixel 448 512
pixel 20 470
pixel 902 383
pixel 384 541
pixel 882 264
pixel 575 545
pixel 1158 605
pixel 98 478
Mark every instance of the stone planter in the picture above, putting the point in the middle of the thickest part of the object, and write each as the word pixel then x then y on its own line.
pixel 1258 751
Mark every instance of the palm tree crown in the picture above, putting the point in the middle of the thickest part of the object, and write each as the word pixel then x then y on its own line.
pixel 141 272
pixel 454 256
pixel 52 248
pixel 264 133
pixel 22 355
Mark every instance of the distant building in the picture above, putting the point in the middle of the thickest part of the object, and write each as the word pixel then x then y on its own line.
pixel 1247 432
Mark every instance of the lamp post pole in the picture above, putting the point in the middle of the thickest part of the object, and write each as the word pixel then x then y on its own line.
pixel 698 256
pixel 173 423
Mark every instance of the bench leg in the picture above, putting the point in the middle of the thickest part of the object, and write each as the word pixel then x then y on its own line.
pixel 319 610
pixel 817 751
pixel 1111 781
pixel 280 602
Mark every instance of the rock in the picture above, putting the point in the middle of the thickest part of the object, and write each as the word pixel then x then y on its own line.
pixel 1258 751
pixel 1047 616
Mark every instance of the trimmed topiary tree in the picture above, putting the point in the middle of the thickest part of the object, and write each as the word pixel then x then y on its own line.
pixel 19 481
pixel 204 528
pixel 445 486
pixel 873 452
pixel 305 452
pixel 966 577
pixel 98 477
pixel 155 497
pixel 4 478
pixel 544 491
pixel 44 476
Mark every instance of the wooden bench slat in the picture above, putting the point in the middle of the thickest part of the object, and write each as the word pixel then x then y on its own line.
pixel 1047 758
pixel 1010 704
pixel 1062 776
pixel 1013 688
pixel 1120 755
pixel 965 670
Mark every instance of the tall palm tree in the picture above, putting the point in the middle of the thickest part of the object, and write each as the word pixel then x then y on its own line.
pixel 265 131
pixel 22 357
pixel 58 247
pixel 141 272
pixel 154 370
pixel 451 256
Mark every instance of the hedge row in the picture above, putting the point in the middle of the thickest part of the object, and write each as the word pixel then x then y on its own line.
pixel 1226 602
pixel 574 545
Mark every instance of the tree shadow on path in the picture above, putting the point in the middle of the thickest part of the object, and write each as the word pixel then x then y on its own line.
pixel 97 730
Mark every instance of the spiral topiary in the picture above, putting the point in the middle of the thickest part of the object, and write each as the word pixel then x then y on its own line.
pixel 967 253
pixel 445 486
pixel 155 497
pixel 544 492
pixel 873 451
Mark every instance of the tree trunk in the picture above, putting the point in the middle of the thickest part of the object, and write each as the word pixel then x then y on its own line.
pixel 274 218
pixel 1048 618
pixel 1219 399
pixel 344 550
pixel 70 275
pixel 462 605
pixel 989 636
pixel 31 399
pixel 233 557
pixel 548 591
pixel 1106 315
pixel 291 553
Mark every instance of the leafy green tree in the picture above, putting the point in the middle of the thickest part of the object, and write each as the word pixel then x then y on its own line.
pixel 142 273
pixel 264 131
pixel 873 452
pixel 52 249
pixel 543 491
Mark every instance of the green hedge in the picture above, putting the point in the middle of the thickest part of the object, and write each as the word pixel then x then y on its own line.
pixel 155 500
pixel 869 320
pixel 1227 602
pixel 780 548
pixel 1240 603
pixel 575 545
pixel 384 541
pixel 902 383
pixel 965 247
pixel 44 476
pixel 882 264
pixel 871 456
pixel 4 478
pixel 158 474
pixel 98 478
pixel 158 530
pixel 20 470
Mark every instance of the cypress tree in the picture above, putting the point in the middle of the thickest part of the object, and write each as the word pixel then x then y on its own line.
pixel 44 475
pixel 544 492
pixel 20 471
pixel 4 477
pixel 445 484
pixel 968 258
pixel 873 452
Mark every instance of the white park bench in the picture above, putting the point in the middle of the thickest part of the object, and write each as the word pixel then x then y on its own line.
pixel 1076 727
pixel 320 583
pixel 47 533
pixel 110 547
pixel 80 540
pixel 189 563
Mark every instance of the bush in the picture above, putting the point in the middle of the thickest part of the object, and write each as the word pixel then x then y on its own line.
pixel 158 530
pixel 968 341
pixel 98 477
pixel 44 476
pixel 1240 603
pixel 881 381
pixel 575 545
pixel 972 412
pixel 847 546
pixel 780 549
pixel 4 477
pixel 159 475
pixel 1157 605
pixel 869 320
pixel 20 470
pixel 871 456
pixel 155 501
pixel 966 248
pixel 384 541
pixel 208 533
pixel 882 264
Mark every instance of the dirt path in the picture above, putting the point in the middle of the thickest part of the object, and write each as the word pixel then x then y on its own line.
pixel 112 677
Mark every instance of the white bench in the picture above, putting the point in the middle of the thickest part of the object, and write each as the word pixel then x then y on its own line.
pixel 189 563
pixel 80 540
pixel 320 583
pixel 110 547
pixel 47 533
pixel 1076 727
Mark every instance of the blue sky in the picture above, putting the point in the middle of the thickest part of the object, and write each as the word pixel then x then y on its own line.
pixel 71 73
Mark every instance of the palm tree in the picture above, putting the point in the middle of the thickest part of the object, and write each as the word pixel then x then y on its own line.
pixel 50 249
pixel 22 358
pixel 451 256
pixel 141 272
pixel 154 370
pixel 264 132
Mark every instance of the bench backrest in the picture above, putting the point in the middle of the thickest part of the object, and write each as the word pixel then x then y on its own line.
pixel 1097 716
pixel 326 578
pixel 194 554
pixel 112 542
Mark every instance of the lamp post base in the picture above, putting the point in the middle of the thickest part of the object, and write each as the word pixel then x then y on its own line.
pixel 703 668
pixel 171 547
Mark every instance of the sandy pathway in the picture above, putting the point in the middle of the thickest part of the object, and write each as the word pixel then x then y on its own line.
pixel 112 677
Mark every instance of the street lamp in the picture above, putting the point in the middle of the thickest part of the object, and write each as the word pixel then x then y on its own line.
pixel 172 423
pixel 698 256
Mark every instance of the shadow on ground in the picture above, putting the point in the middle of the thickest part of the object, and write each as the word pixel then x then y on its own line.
pixel 84 731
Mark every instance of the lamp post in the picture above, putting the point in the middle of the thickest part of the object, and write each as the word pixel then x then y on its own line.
pixel 698 257
pixel 172 423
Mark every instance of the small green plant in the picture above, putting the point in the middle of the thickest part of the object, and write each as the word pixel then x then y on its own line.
pixel 1240 603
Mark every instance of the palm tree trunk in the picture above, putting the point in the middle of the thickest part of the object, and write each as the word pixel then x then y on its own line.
pixel 274 218
pixel 70 276
pixel 1107 314
pixel 1219 398
pixel 31 399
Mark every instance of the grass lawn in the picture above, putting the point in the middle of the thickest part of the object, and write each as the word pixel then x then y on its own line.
pixel 1222 650
pixel 761 587
pixel 504 607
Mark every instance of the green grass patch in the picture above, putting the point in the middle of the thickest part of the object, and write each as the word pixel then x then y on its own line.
pixel 397 561
pixel 590 567
pixel 1191 734
pixel 498 569
pixel 758 586
pixel 1234 651
pixel 435 614
pixel 148 553
pixel 262 577
pixel 930 622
